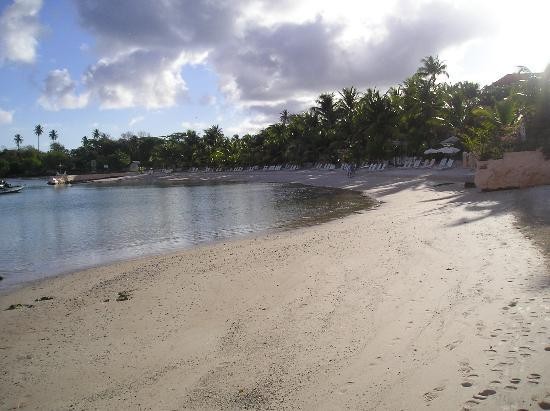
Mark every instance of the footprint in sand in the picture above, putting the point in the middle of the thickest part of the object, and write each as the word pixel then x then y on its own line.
pixel 533 378
pixel 483 395
pixel 470 403
pixel 515 380
pixel 547 348
pixel 523 351
pixel 466 384
pixel 430 395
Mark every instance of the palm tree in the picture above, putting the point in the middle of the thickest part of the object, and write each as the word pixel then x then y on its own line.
pixel 326 108
pixel 348 101
pixel 53 135
pixel 38 130
pixel 96 134
pixel 18 140
pixel 213 135
pixel 432 67
pixel 284 117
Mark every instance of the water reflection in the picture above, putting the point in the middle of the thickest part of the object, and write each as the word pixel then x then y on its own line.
pixel 47 231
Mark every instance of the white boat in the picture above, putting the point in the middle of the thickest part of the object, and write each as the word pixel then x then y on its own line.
pixel 6 188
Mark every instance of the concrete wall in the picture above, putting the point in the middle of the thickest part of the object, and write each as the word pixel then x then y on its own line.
pixel 515 170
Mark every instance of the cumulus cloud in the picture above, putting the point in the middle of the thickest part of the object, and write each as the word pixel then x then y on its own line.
pixel 146 44
pixel 150 79
pixel 161 25
pixel 299 59
pixel 263 65
pixel 19 31
pixel 59 92
pixel 6 117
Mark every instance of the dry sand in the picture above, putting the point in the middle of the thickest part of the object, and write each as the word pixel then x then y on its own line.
pixel 436 299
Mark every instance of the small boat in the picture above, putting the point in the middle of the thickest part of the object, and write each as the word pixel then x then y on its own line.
pixel 7 188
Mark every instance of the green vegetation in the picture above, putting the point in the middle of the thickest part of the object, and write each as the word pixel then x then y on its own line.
pixel 349 126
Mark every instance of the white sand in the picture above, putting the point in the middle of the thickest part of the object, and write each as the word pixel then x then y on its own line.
pixel 391 309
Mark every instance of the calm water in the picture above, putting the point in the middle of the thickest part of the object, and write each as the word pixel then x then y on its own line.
pixel 47 230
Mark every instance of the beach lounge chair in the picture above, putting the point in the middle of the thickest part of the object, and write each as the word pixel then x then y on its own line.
pixel 442 164
pixel 417 163
pixel 383 167
pixel 450 163
pixel 431 163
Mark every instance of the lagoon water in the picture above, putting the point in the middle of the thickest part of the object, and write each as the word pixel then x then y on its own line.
pixel 46 230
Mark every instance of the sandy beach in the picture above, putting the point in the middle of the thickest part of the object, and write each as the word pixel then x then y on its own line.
pixel 439 298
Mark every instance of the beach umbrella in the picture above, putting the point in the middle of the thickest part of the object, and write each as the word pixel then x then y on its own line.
pixel 448 150
pixel 431 151
pixel 449 141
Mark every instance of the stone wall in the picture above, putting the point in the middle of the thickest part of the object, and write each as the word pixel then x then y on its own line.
pixel 515 170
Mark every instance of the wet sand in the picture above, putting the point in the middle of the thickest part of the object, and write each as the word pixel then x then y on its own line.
pixel 438 298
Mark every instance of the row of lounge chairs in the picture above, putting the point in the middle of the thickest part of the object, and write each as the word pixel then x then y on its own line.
pixel 278 167
pixel 417 163
pixel 376 166
pixel 252 168
pixel 324 166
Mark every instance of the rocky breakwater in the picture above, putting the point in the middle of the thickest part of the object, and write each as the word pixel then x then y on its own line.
pixel 84 178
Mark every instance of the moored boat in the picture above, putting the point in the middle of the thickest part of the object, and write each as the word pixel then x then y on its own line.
pixel 7 188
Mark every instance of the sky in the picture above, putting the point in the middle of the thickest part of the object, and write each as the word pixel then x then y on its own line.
pixel 169 65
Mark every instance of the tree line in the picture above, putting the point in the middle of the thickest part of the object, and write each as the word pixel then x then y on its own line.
pixel 345 126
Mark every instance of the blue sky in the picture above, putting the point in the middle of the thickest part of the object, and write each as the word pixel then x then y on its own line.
pixel 161 67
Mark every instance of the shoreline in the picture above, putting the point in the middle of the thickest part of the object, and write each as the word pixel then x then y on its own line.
pixel 350 208
pixel 396 307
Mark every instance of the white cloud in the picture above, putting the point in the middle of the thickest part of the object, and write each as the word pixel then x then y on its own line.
pixel 250 125
pixel 59 92
pixel 268 56
pixel 137 79
pixel 6 117
pixel 280 58
pixel 19 31
pixel 135 120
